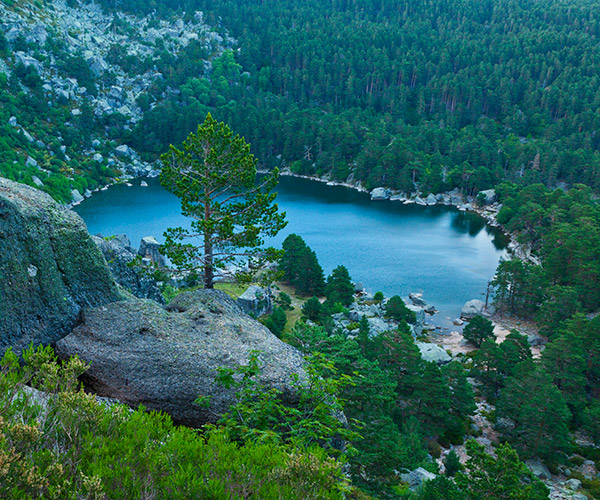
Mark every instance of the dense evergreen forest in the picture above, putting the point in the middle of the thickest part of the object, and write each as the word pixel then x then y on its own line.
pixel 442 93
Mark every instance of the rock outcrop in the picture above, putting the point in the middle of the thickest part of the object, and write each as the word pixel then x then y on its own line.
pixel 255 301
pixel 380 193
pixel 472 308
pixel 165 357
pixel 433 353
pixel 120 255
pixel 150 251
pixel 50 268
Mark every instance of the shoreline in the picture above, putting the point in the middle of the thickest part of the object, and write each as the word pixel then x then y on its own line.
pixel 488 213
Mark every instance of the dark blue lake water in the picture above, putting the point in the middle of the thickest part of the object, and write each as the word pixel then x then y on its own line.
pixel 446 254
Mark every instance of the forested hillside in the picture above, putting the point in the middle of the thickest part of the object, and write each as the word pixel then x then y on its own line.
pixel 442 93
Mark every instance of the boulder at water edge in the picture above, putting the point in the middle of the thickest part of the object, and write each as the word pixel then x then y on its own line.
pixel 380 193
pixel 165 357
pixel 49 268
pixel 472 308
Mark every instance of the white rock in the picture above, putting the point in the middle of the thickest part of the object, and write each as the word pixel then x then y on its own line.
pixel 76 195
pixel 574 484
pixel 433 353
pixel 538 469
pixel 30 162
pixel 472 308
pixel 379 193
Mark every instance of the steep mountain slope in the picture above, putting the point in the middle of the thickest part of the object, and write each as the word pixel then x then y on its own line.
pixel 73 83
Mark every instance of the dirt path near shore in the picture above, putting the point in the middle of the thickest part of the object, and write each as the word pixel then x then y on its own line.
pixel 453 341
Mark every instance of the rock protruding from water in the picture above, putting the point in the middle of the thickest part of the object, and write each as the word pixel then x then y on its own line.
pixel 50 268
pixel 166 357
pixel 472 308
pixel 255 301
pixel 120 257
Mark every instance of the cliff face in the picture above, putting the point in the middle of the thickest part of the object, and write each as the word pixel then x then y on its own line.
pixel 49 268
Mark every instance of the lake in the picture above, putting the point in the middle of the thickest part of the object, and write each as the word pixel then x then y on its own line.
pixel 446 254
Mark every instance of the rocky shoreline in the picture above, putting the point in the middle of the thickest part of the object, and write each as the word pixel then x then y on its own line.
pixel 488 211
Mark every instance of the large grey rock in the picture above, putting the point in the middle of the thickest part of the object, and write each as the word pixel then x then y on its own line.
pixel 472 308
pixel 433 353
pixel 419 313
pixel 27 61
pixel 97 65
pixel 534 340
pixel 488 196
pixel 49 268
pixel 380 193
pixel 417 299
pixel 255 301
pixel 165 357
pixel 76 196
pixel 417 477
pixel 378 325
pixel 431 199
pixel 119 255
pixel 31 162
pixel 538 469
pixel 150 249
pixel 456 197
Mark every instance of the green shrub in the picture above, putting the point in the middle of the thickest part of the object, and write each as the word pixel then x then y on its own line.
pixel 64 444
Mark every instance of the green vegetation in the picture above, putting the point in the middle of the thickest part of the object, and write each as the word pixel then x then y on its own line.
pixel 426 96
pixel 404 402
pixel 478 329
pixel 300 266
pixel 396 308
pixel 214 177
pixel 64 444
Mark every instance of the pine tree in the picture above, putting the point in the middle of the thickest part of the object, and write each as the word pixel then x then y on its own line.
pixel 312 309
pixel 214 176
pixel 539 412
pixel 502 476
pixel 301 267
pixel 339 287
pixel 396 308
pixel 478 330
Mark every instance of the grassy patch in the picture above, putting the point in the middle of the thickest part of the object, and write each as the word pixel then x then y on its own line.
pixel 234 290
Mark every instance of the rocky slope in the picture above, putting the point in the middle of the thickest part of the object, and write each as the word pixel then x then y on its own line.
pixel 56 288
pixel 97 70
